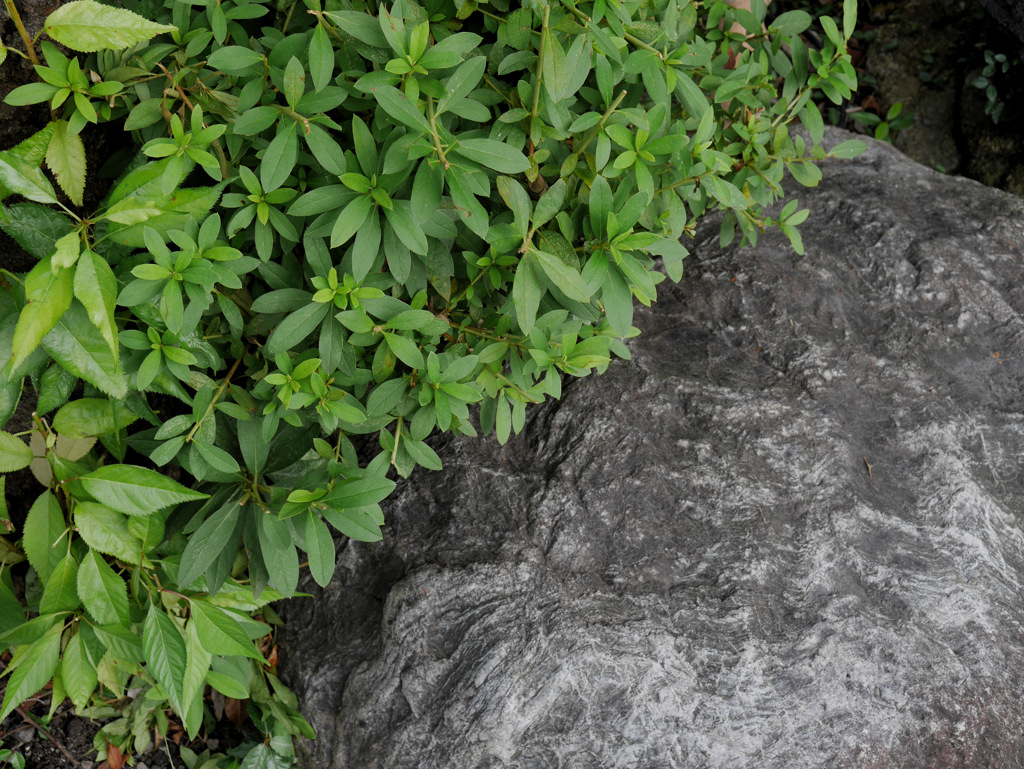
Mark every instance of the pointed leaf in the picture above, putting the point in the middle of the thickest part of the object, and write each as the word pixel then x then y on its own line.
pixel 103 593
pixel 107 531
pixel 526 292
pixel 21 178
pixel 495 155
pixel 78 672
pixel 66 158
pixel 221 632
pixel 164 650
pixel 78 346
pixel 96 288
pixel 87 26
pixel 44 527
pixel 14 453
pixel 60 593
pixel 319 549
pixel 135 490
pixel 35 669
pixel 34 227
pixel 47 298
pixel 219 531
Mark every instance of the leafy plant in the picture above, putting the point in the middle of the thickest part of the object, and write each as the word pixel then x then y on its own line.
pixel 997 65
pixel 883 130
pixel 408 219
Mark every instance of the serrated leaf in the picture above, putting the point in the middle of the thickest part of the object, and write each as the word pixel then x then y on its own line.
pixel 21 178
pixel 164 650
pixel 107 531
pixel 65 156
pixel 96 288
pixel 78 346
pixel 103 593
pixel 34 227
pixel 135 490
pixel 35 668
pixel 197 664
pixel 14 453
pixel 60 593
pixel 87 26
pixel 44 527
pixel 78 672
pixel 91 418
pixel 47 298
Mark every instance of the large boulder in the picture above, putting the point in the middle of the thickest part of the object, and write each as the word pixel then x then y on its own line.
pixel 787 534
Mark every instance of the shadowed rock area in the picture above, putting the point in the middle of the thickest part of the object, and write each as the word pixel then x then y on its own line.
pixel 788 533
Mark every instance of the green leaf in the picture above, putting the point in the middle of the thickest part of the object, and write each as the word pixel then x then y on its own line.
pixel 218 532
pixel 278 551
pixel 106 530
pixel 279 158
pixel 103 593
pixel 556 74
pixel 60 593
pixel 20 178
pixel 135 490
pixel 294 81
pixel 470 212
pixel 400 218
pixel 296 327
pixel 78 672
pixel 90 418
pixel 849 18
pixel 79 347
pixel 34 227
pixel 14 453
pixel 197 666
pixel 848 149
pixel 361 26
pixel 405 350
pixel 321 58
pixel 320 549
pixel 396 104
pixel 96 288
pixel 44 527
pixel 164 650
pixel 35 668
pixel 563 276
pixel 518 200
pixel 354 523
pixel 359 493
pixel 221 632
pixel 65 156
pixel 495 155
pixel 550 203
pixel 351 219
pixel 87 26
pixel 527 292
pixel 47 298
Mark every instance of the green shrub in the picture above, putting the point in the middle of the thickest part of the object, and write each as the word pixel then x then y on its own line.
pixel 330 222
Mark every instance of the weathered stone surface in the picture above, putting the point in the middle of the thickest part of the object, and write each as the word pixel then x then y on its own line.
pixel 1010 16
pixel 788 534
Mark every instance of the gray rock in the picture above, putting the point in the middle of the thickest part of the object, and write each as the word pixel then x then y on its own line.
pixel 1009 14
pixel 787 534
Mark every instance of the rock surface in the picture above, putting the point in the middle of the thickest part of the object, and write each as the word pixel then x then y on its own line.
pixel 787 534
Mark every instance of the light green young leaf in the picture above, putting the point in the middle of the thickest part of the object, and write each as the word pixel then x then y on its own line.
pixel 14 453
pixel 96 288
pixel 48 297
pixel 87 26
pixel 18 177
pixel 65 156
pixel 135 490
pixel 35 668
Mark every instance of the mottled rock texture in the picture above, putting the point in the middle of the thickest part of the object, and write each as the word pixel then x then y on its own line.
pixel 787 534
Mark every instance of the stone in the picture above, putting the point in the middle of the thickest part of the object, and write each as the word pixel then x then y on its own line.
pixel 787 534
pixel 1009 14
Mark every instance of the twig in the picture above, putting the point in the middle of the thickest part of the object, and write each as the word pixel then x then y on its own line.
pixel 44 730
